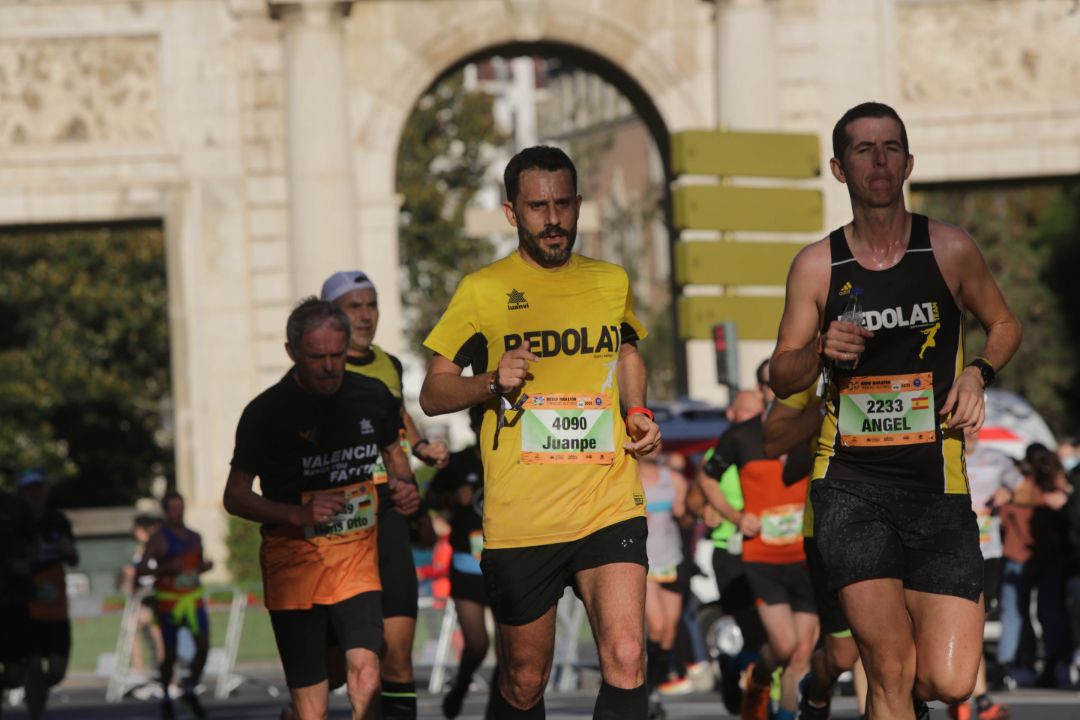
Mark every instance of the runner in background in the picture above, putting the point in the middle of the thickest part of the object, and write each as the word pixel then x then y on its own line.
pixel 458 490
pixel 354 293
pixel 50 626
pixel 16 589
pixel 791 428
pixel 174 556
pixel 665 503
pixel 718 480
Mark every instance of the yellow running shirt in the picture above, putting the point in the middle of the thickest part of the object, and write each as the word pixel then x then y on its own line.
pixel 556 471
pixel 380 365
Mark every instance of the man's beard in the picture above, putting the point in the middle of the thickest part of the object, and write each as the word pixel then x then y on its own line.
pixel 545 257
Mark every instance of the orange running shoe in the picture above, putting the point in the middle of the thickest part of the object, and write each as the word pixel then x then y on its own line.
pixel 755 699
pixel 960 711
pixel 997 711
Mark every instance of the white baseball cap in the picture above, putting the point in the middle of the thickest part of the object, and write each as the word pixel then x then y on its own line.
pixel 342 282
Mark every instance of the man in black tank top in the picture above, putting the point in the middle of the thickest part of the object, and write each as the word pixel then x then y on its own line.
pixel 892 516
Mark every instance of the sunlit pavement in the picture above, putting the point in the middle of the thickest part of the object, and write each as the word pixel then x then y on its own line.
pixel 83 698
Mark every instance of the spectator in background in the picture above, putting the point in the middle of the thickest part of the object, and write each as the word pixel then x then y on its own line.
pixel 129 584
pixel 1033 530
pixel 50 628
pixel 16 541
pixel 689 652
pixel 992 478
pixel 1071 513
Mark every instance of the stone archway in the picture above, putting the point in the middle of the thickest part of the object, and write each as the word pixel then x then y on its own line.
pixel 655 71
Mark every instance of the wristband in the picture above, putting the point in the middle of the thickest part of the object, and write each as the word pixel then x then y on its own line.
pixel 986 370
pixel 417 445
pixel 493 383
pixel 638 410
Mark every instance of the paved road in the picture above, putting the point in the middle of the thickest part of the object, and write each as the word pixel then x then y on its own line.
pixel 85 701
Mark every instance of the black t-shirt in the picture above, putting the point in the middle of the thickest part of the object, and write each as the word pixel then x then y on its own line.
pixel 464 468
pixel 16 541
pixel 296 442
pixel 739 445
pixel 744 442
pixel 52 527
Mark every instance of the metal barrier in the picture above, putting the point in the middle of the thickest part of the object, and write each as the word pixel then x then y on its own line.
pixel 227 680
pixel 566 663
pixel 120 681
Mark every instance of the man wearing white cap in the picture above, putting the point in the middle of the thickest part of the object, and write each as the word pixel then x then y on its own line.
pixel 354 293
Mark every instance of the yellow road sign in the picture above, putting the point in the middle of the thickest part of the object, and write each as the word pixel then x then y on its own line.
pixel 718 207
pixel 753 154
pixel 756 318
pixel 733 263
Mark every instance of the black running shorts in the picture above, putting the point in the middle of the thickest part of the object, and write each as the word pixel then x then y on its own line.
pixel 524 583
pixel 930 541
pixel 51 637
pixel 16 644
pixel 731 581
pixel 781 584
pixel 467 586
pixel 303 636
pixel 830 612
pixel 397 569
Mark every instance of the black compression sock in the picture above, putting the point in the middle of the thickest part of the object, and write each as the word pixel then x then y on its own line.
pixel 614 703
pixel 501 709
pixel 398 700
pixel 656 665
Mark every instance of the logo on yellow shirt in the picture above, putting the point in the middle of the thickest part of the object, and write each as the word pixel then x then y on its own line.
pixel 516 300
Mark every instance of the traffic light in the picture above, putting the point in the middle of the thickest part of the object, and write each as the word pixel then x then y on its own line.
pixel 725 340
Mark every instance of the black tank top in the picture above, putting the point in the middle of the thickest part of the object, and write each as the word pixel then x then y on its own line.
pixel 882 423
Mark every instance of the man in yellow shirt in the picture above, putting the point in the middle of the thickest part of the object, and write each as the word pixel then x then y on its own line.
pixel 552 341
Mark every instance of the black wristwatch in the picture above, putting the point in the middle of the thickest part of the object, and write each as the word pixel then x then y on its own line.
pixel 985 369
pixel 416 448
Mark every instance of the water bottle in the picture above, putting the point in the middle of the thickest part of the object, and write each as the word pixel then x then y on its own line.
pixel 852 314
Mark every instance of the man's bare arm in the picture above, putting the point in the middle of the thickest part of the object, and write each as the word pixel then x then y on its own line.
pixel 795 363
pixel 631 375
pixel 786 427
pixel 446 391
pixel 431 452
pixel 403 489
pixel 242 500
pixel 966 272
pixel 714 496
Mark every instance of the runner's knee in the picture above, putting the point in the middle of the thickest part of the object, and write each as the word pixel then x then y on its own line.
pixel 840 655
pixel 624 655
pixel 525 685
pixel 948 688
pixel 891 672
pixel 363 683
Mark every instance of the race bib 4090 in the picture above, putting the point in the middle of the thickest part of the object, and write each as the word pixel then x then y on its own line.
pixel 568 428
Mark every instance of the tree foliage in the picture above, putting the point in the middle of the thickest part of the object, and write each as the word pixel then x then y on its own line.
pixel 1008 224
pixel 446 148
pixel 84 360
